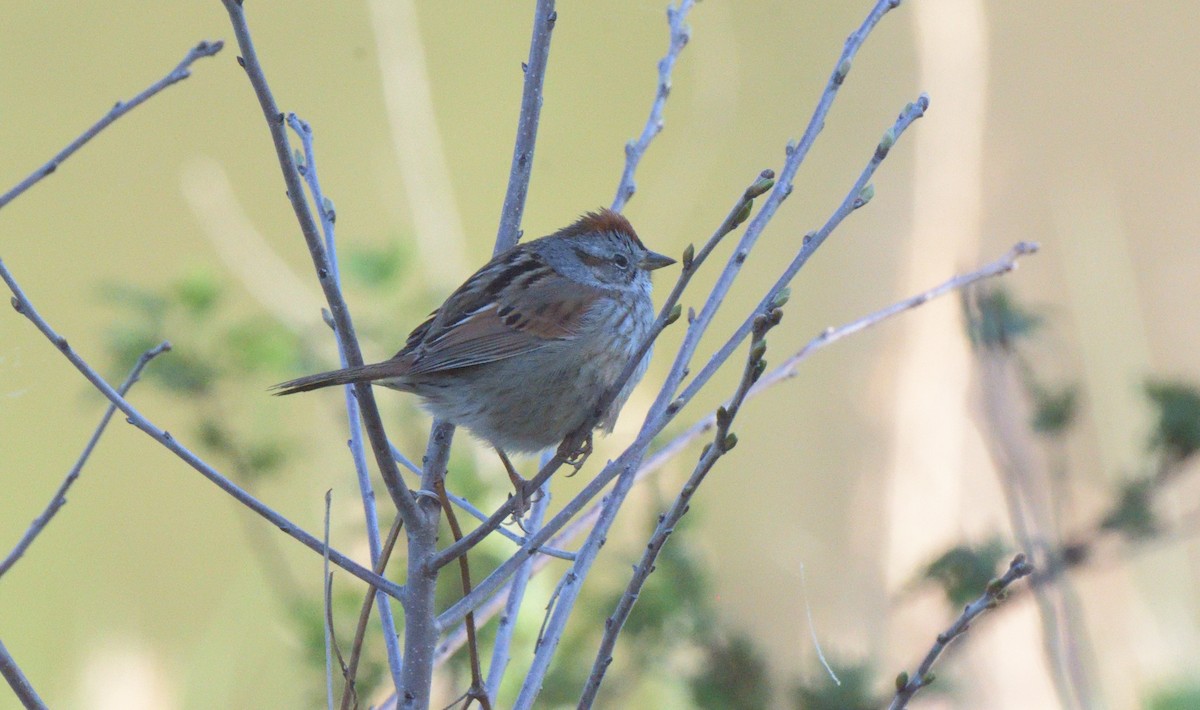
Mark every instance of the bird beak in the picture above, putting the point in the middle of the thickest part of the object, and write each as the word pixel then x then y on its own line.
pixel 652 261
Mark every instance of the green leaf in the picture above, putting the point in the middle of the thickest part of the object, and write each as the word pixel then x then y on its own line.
pixel 733 675
pixel 854 693
pixel 1054 410
pixel 373 267
pixel 1000 321
pixel 148 304
pixel 1177 431
pixel 262 344
pixel 964 571
pixel 1133 515
pixel 1186 697
pixel 198 292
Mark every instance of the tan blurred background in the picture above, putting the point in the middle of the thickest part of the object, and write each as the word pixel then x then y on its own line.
pixel 1068 123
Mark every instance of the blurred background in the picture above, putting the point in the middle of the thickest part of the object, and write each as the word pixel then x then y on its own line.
pixel 898 469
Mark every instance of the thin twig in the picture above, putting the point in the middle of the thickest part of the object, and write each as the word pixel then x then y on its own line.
pixel 667 315
pixel 723 441
pixel 544 18
pixel 327 588
pixel 635 149
pixel 477 691
pixel 349 694
pixel 473 510
pixel 176 75
pixel 25 307
pixel 18 682
pixel 60 496
pixel 663 409
pixel 347 340
pixel 907 686
pixel 507 626
pixel 580 524
pixel 308 170
pixel 858 196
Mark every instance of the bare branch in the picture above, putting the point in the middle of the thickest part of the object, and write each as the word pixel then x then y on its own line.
pixel 635 149
pixel 179 73
pixel 327 588
pixel 357 453
pixel 544 17
pixel 23 306
pixel 60 496
pixel 420 627
pixel 668 314
pixel 349 694
pixel 403 498
pixel 723 441
pixel 858 196
pixel 18 682
pixel 906 686
pixel 584 522
pixel 501 648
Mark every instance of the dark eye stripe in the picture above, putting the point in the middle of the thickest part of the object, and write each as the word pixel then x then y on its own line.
pixel 587 257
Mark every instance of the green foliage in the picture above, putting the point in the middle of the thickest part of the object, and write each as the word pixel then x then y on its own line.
pixel 1177 431
pixel 964 571
pixel 1186 697
pixel 212 350
pixel 374 267
pixel 1054 409
pixel 854 692
pixel 308 619
pixel 198 292
pixel 1133 515
pixel 998 321
pixel 733 676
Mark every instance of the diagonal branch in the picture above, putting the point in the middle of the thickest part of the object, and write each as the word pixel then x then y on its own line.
pixel 586 521
pixel 996 592
pixel 18 682
pixel 179 73
pixel 723 441
pixel 23 306
pixel 60 496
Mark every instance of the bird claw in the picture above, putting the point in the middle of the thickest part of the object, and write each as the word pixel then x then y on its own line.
pixel 578 457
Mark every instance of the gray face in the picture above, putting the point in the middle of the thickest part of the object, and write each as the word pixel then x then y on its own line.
pixel 610 260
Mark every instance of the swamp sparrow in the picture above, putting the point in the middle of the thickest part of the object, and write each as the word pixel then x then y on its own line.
pixel 521 353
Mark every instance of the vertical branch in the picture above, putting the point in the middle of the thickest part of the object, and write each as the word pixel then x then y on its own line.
pixel 420 627
pixel 635 149
pixel 327 588
pixel 308 169
pixel 501 648
pixel 403 498
pixel 544 17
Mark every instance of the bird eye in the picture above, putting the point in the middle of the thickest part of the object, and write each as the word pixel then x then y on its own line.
pixel 621 261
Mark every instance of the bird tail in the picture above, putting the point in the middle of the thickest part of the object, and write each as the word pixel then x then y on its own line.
pixel 361 373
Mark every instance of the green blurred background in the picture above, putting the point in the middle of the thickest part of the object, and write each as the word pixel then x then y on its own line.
pixel 1068 123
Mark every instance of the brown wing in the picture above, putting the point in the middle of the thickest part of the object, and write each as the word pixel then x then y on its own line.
pixel 515 305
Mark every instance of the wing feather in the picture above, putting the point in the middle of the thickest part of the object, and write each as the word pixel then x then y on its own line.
pixel 516 305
